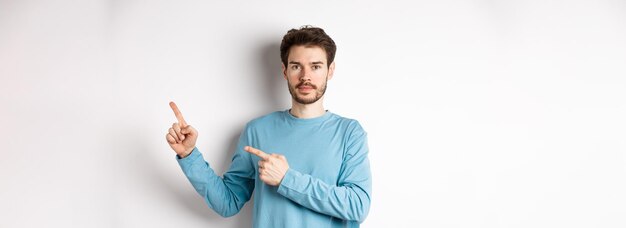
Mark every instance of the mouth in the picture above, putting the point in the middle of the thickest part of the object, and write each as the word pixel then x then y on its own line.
pixel 305 88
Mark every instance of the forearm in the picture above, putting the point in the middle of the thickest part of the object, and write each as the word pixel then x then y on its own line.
pixel 223 196
pixel 347 202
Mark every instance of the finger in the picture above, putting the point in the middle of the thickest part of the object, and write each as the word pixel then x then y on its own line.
pixel 257 152
pixel 170 139
pixel 260 164
pixel 178 115
pixel 274 155
pixel 187 130
pixel 174 135
pixel 180 135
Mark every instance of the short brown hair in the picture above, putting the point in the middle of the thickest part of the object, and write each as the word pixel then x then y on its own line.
pixel 308 36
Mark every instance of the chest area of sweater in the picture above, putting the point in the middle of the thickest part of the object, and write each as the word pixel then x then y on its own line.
pixel 315 152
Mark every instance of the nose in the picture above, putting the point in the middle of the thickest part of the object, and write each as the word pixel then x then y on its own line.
pixel 305 74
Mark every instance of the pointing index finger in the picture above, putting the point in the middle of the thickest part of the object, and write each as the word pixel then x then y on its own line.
pixel 256 152
pixel 179 115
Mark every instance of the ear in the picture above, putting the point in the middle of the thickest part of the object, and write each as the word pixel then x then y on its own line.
pixel 284 69
pixel 331 70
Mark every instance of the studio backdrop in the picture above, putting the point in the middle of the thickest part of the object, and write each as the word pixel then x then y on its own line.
pixel 479 113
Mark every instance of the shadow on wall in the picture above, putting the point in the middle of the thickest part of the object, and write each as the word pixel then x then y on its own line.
pixel 276 93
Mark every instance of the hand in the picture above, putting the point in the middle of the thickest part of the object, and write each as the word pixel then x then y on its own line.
pixel 181 137
pixel 272 167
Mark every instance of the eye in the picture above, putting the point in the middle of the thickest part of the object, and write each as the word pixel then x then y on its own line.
pixel 315 67
pixel 295 67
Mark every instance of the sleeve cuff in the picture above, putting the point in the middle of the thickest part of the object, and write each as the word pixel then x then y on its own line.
pixel 195 153
pixel 288 182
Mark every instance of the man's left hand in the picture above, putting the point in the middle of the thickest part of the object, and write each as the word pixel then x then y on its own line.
pixel 272 167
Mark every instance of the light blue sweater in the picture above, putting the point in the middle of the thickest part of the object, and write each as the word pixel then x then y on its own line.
pixel 328 183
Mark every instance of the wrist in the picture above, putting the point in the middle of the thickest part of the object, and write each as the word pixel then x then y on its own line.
pixel 283 177
pixel 185 153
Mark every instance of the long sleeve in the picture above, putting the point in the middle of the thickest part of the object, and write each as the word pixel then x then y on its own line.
pixel 349 198
pixel 226 195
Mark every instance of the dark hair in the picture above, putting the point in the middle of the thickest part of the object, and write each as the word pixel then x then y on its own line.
pixel 308 36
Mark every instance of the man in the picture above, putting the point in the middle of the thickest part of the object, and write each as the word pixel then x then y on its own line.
pixel 308 167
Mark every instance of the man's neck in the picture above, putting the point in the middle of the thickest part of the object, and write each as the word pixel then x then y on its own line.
pixel 307 111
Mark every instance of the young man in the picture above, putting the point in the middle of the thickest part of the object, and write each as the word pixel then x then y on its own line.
pixel 308 167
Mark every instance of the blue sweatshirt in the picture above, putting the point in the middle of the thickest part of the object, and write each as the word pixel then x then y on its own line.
pixel 328 183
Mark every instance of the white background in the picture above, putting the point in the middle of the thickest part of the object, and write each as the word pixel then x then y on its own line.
pixel 479 113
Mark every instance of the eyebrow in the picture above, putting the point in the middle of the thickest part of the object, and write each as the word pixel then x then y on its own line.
pixel 313 63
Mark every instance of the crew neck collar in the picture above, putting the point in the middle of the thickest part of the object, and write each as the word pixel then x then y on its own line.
pixel 295 119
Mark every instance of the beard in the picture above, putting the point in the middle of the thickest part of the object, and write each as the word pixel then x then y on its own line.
pixel 318 91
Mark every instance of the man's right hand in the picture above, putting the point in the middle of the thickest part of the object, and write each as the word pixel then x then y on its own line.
pixel 181 137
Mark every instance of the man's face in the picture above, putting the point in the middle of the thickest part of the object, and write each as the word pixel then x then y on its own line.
pixel 307 72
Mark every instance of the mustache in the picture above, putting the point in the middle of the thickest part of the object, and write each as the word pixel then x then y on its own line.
pixel 306 84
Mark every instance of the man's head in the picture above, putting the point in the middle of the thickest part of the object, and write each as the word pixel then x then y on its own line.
pixel 308 57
